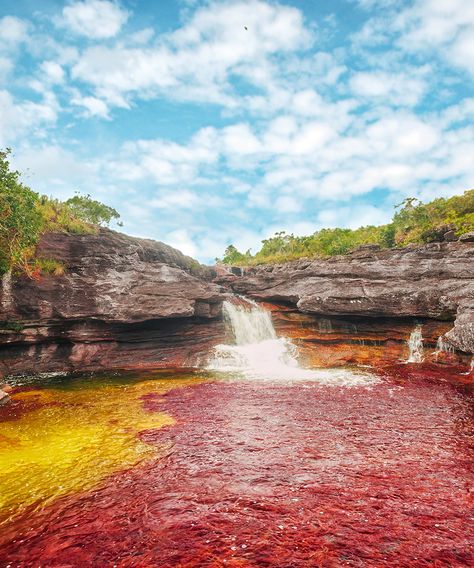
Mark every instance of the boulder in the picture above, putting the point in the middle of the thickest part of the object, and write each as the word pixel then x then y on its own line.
pixel 4 398
pixel 467 237
pixel 450 236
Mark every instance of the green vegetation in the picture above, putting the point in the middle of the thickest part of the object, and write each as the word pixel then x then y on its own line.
pixel 413 222
pixel 25 215
pixel 91 211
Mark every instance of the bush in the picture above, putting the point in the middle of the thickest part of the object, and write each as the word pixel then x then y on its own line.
pixel 91 211
pixel 20 219
pixel 413 222
pixel 24 216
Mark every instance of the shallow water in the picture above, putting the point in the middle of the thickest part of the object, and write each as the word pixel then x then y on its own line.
pixel 182 470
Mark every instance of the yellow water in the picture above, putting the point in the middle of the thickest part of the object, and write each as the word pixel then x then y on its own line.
pixel 78 435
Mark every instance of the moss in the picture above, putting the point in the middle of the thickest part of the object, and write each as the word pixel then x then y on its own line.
pixel 12 326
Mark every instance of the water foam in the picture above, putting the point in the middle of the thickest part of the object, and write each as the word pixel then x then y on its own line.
pixel 258 353
pixel 415 345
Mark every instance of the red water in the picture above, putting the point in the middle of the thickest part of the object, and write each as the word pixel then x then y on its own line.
pixel 291 475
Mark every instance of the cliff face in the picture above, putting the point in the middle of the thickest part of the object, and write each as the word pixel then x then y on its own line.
pixel 435 281
pixel 121 302
pixel 133 303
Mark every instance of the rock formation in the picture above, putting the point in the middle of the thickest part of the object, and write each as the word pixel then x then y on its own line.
pixel 125 303
pixel 122 301
pixel 435 281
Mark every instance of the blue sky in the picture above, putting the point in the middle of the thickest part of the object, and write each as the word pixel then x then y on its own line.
pixel 209 123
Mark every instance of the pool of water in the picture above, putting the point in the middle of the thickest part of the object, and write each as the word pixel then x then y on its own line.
pixel 187 469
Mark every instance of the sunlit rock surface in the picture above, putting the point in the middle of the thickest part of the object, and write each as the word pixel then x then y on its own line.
pixel 435 281
pixel 122 301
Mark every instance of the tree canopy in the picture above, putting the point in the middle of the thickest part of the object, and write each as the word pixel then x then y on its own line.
pixel 413 222
pixel 25 215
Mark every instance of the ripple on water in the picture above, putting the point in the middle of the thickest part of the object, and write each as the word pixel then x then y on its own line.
pixel 262 474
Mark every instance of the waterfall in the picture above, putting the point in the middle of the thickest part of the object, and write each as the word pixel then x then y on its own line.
pixel 415 345
pixel 258 353
pixel 443 346
pixel 249 323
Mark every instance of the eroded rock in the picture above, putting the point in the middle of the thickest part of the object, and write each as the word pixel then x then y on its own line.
pixel 110 308
pixel 432 281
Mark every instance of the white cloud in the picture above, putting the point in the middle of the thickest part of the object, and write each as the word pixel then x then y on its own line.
pixel 183 199
pixel 96 19
pixel 18 118
pixel 353 217
pixel 424 27
pixel 395 88
pixel 288 204
pixel 198 61
pixel 6 66
pixel 92 105
pixel 52 72
pixel 52 169
pixel 12 31
pixel 182 240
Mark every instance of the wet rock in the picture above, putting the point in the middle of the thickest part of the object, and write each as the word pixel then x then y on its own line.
pixel 4 398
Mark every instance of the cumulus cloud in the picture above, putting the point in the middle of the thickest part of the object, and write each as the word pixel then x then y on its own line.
pixel 425 27
pixel 95 19
pixel 52 72
pixel 396 88
pixel 20 117
pixel 12 31
pixel 198 61
pixel 92 106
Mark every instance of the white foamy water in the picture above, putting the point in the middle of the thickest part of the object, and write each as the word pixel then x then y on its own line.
pixel 258 353
pixel 415 346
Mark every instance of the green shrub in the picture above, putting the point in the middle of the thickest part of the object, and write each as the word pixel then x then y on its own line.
pixel 413 222
pixel 20 219
pixel 24 216
pixel 91 211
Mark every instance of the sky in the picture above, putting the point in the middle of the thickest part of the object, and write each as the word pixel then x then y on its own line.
pixel 210 123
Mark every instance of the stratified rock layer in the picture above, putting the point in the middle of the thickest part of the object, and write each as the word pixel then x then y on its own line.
pixel 121 302
pixel 435 281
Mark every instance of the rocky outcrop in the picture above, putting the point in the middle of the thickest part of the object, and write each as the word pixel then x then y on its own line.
pixel 435 281
pixel 129 303
pixel 121 302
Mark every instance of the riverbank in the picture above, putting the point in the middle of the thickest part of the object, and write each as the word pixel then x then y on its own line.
pixel 127 303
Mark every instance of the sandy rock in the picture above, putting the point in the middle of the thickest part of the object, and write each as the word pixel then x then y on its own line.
pixel 122 301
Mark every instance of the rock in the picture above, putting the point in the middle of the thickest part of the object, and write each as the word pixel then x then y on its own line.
pixel 122 301
pixel 430 281
pixel 114 278
pixel 4 398
pixel 462 334
pixel 467 237
pixel 450 236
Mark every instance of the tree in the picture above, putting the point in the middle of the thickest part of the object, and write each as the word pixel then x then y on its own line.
pixel 20 219
pixel 233 256
pixel 92 211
